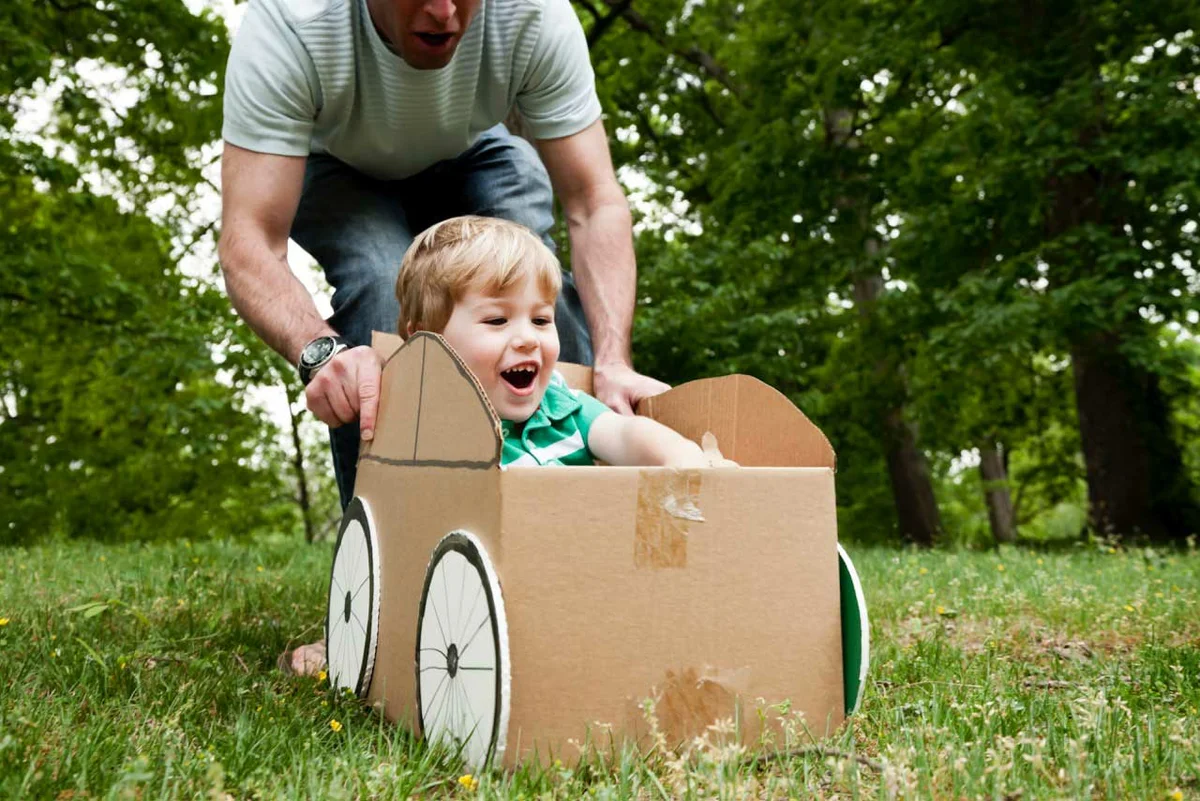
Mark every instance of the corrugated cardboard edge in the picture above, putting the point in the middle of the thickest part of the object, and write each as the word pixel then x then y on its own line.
pixel 755 424
pixel 398 376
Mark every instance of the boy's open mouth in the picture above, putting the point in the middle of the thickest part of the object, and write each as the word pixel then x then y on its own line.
pixel 520 377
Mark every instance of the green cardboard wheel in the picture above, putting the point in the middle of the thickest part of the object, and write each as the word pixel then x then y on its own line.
pixel 856 633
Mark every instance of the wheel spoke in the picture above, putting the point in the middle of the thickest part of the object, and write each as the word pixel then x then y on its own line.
pixel 442 567
pixel 438 618
pixel 437 651
pixel 475 634
pixel 462 586
pixel 474 605
pixel 443 710
pixel 436 691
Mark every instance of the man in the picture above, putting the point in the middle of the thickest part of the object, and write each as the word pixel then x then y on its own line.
pixel 352 125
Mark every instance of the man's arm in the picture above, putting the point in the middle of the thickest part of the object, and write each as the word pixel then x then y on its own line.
pixel 259 196
pixel 602 259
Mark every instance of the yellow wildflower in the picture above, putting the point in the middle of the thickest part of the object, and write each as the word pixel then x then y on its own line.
pixel 259 568
pixel 1128 608
pixel 469 781
pixel 1000 568
pixel 1040 562
pixel 3 621
pixel 335 725
pixel 1175 795
pixel 941 610
pixel 322 676
pixel 924 570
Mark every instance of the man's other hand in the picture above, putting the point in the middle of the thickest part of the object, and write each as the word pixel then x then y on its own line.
pixel 620 387
pixel 347 389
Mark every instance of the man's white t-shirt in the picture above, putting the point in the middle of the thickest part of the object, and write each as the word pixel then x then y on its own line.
pixel 313 76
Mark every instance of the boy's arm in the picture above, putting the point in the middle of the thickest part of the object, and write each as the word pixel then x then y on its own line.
pixel 621 440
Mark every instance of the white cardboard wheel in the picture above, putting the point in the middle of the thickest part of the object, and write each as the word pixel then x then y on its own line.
pixel 352 619
pixel 463 674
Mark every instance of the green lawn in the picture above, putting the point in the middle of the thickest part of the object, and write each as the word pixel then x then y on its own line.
pixel 149 672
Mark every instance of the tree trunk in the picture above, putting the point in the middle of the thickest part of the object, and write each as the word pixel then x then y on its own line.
pixel 1137 484
pixel 917 512
pixel 994 472
pixel 916 507
pixel 302 498
pixel 1135 474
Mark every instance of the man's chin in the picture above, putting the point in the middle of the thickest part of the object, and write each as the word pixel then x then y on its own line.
pixel 421 59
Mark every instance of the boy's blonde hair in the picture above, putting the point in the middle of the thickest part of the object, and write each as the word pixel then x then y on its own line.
pixel 454 256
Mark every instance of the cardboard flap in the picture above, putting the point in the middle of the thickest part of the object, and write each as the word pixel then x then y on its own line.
pixel 577 376
pixel 755 424
pixel 432 410
pixel 386 345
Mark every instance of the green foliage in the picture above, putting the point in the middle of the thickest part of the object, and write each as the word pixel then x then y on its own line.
pixel 117 420
pixel 924 206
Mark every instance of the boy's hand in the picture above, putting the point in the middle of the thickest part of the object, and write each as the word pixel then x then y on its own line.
pixel 620 387
pixel 712 453
pixel 347 389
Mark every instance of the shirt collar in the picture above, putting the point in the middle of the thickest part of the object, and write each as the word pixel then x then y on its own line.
pixel 557 404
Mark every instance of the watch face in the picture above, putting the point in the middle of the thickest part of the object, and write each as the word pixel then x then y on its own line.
pixel 317 351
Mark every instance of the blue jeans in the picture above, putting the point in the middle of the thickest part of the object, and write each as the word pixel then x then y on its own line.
pixel 358 228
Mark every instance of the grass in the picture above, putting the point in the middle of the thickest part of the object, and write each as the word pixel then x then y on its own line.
pixel 149 672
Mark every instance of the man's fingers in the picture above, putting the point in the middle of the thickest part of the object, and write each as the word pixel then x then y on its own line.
pixel 343 400
pixel 619 404
pixel 368 397
pixel 318 404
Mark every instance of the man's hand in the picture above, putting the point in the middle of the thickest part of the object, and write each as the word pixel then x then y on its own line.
pixel 347 389
pixel 620 388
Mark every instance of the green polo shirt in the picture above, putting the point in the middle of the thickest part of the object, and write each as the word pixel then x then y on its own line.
pixel 556 433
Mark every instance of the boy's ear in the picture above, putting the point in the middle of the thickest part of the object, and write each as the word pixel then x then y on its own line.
pixel 409 332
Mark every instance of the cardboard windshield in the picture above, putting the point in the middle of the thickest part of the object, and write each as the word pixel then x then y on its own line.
pixel 432 410
pixel 755 424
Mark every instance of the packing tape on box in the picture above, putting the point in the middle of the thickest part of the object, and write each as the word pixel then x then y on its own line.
pixel 668 506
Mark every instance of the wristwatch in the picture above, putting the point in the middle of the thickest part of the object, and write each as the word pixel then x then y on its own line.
pixel 317 354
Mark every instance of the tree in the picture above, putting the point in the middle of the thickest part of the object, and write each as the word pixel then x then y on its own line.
pixel 117 420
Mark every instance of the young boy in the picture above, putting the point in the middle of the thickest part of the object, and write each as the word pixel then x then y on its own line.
pixel 488 286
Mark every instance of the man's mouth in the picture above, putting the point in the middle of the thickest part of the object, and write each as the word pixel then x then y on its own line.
pixel 520 377
pixel 435 40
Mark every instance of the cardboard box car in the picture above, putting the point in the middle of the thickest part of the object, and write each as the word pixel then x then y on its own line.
pixel 523 612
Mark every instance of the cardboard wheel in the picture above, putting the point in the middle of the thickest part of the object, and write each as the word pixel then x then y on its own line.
pixel 856 633
pixel 463 678
pixel 352 621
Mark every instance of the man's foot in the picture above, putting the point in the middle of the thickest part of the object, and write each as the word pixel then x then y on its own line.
pixel 307 660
